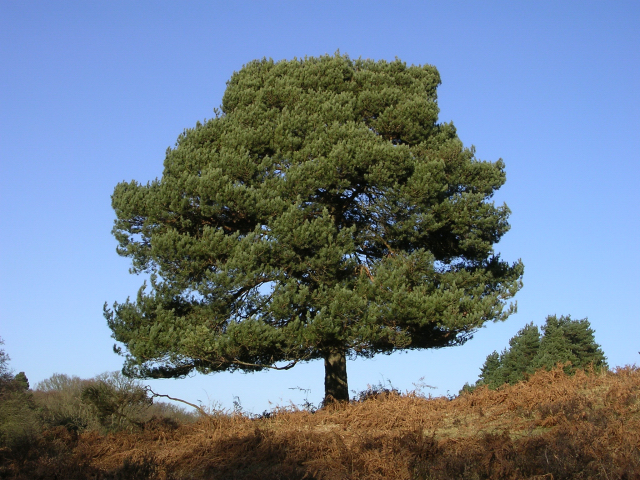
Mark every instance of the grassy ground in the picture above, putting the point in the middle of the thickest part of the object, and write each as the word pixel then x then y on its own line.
pixel 552 426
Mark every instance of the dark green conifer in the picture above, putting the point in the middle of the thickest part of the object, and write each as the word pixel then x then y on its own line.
pixel 523 348
pixel 323 213
pixel 18 416
pixel 491 374
pixel 513 363
pixel 5 372
pixel 22 381
pixel 567 340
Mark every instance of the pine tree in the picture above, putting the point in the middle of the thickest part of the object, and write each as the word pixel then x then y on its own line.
pixel 5 373
pixel 491 374
pixel 513 363
pixel 523 348
pixel 324 213
pixel 566 341
pixel 18 415
pixel 22 381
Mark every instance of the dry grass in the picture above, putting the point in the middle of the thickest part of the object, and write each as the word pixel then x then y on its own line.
pixel 553 426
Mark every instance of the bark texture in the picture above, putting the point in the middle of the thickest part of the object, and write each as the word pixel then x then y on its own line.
pixel 336 387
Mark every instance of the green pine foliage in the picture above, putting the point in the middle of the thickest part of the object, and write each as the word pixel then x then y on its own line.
pixel 22 380
pixel 565 341
pixel 323 213
pixel 516 360
pixel 5 372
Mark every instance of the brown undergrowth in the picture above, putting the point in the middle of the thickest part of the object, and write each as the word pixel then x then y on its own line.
pixel 552 426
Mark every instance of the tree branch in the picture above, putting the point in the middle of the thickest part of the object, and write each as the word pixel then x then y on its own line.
pixel 273 367
pixel 200 409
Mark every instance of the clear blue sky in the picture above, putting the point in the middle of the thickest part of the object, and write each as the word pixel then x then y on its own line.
pixel 92 93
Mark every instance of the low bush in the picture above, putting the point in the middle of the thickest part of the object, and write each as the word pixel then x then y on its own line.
pixel 19 426
pixel 107 403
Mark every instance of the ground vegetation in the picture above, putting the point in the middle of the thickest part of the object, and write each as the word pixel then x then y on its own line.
pixel 553 425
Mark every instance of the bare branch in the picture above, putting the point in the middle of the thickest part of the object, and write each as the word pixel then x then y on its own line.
pixel 200 409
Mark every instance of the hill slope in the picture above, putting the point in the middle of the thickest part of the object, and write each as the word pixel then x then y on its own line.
pixel 552 426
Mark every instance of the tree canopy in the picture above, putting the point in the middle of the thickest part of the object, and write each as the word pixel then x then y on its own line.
pixel 564 341
pixel 324 213
pixel 18 420
pixel 5 373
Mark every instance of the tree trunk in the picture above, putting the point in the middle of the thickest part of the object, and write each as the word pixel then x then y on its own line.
pixel 335 377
